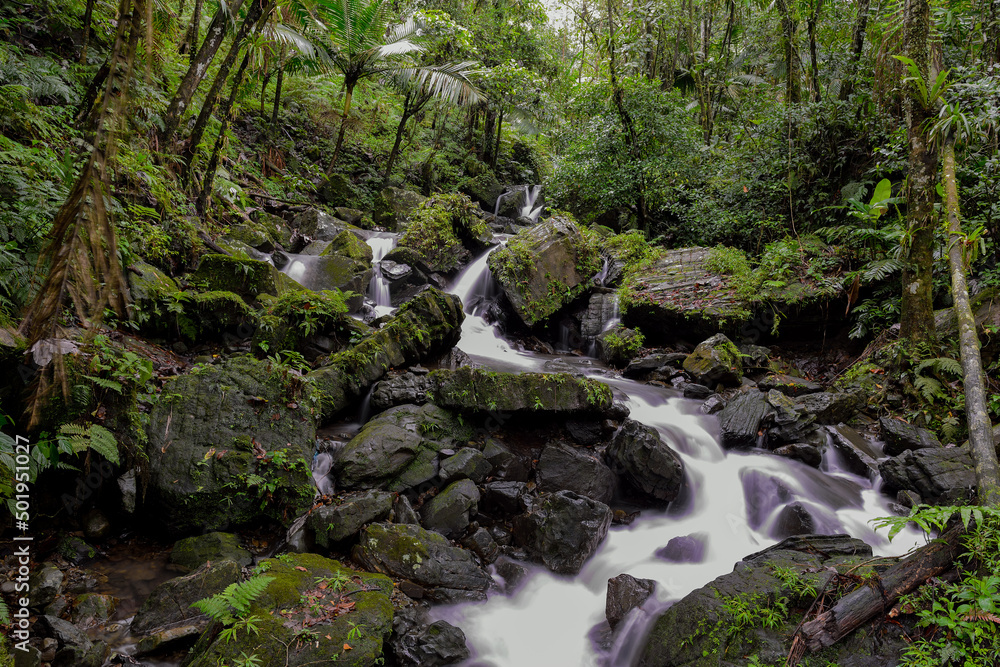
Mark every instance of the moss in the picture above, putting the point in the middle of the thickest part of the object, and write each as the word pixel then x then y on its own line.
pixel 348 244
pixel 245 277
pixel 437 230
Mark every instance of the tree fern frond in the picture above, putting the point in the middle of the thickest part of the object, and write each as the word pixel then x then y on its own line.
pixel 928 387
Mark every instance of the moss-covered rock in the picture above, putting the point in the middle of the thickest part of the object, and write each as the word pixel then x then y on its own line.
pixel 193 552
pixel 715 360
pixel 337 190
pixel 313 611
pixel 297 319
pixel 484 188
pixel 544 268
pixel 349 513
pixel 394 207
pixel 320 225
pixel 230 444
pixel 245 277
pixel 443 230
pixel 348 244
pixel 427 324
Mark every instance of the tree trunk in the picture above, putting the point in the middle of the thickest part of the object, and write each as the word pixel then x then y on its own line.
pixel 859 607
pixel 224 112
pixel 488 124
pixel 976 410
pixel 194 75
pixel 189 44
pixel 917 314
pixel 813 60
pixel 496 149
pixel 348 94
pixel 857 46
pixel 87 15
pixel 258 8
pixel 412 104
pixel 263 90
pixel 793 89
pixel 277 88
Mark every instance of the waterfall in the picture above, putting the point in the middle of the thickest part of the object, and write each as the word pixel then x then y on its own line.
pixel 378 287
pixel 529 210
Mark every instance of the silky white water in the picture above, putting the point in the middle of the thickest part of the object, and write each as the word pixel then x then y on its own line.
pixel 729 502
pixel 378 286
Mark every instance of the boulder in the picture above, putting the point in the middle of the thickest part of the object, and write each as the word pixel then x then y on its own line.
pixel 449 511
pixel 44 585
pixel 832 407
pixel 417 643
pixel 562 529
pixel 167 617
pixel 426 325
pixel 704 625
pixel 506 464
pixel 793 519
pixel 715 360
pixel 394 208
pixel 625 593
pixel 333 523
pixel 73 648
pixel 329 271
pixel 788 385
pixel 741 421
pixel 482 544
pixel 399 448
pixel 320 226
pixel 801 451
pixel 466 463
pixel 483 187
pixel 92 609
pixel 311 609
pixel 790 420
pixel 941 475
pixel 221 437
pixel 502 499
pixel 602 308
pixel 561 467
pixel 900 436
pixel 337 190
pixel 348 244
pixel 684 549
pixel 544 268
pixel 639 457
pixel 425 558
pixel 244 277
pixel 857 452
pixel 193 552
pixel 641 367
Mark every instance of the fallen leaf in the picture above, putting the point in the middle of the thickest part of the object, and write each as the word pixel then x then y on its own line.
pixel 300 568
pixel 347 647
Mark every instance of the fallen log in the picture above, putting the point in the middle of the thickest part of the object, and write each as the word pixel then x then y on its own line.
pixel 857 608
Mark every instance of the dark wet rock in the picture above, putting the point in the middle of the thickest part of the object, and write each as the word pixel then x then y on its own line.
pixel 561 467
pixel 789 385
pixel 403 512
pixel 900 436
pixel 466 463
pixel 450 510
pixel 625 593
pixel 92 609
pixel 394 207
pixel 602 307
pixel 482 544
pixel 586 432
pixel 645 462
pixel 793 519
pixel 756 357
pixel 96 526
pixel 544 268
pixel 831 407
pixel 684 549
pixel 856 451
pixel 513 573
pixel 399 448
pixel 617 346
pixel 908 499
pixel 333 523
pixel 73 648
pixel 502 498
pixel 423 557
pixel 400 389
pixel 638 368
pixel 712 405
pixel 679 636
pixel 801 451
pixel 193 552
pixel 221 424
pixel 695 390
pixel 562 529
pixel 741 420
pixel 167 617
pixel 417 643
pixel 506 464
pixel 320 226
pixel 941 475
pixel 715 360
pixel 790 420
pixel 293 600
pixel 45 584
pixel 422 327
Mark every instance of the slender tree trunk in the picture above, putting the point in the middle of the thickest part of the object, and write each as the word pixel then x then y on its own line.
pixel 793 88
pixel 813 60
pixel 488 125
pixel 87 16
pixel 917 314
pixel 194 75
pixel 263 90
pixel 348 94
pixel 496 149
pixel 225 114
pixel 412 104
pixel 277 88
pixel 189 44
pixel 857 46
pixel 258 9
pixel 976 410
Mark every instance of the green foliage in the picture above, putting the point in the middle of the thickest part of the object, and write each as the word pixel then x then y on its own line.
pixel 92 437
pixel 232 606
pixel 440 225
pixel 621 345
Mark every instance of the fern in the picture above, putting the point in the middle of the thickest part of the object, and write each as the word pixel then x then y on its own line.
pixel 233 603
pixel 91 437
pixel 941 365
pixel 880 269
pixel 930 388
pixel 105 383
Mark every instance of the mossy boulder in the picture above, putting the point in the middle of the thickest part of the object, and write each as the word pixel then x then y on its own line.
pixel 399 449
pixel 424 557
pixel 330 271
pixel 715 360
pixel 427 324
pixel 193 552
pixel 347 244
pixel 394 208
pixel 245 277
pixel 319 225
pixel 484 188
pixel 562 529
pixel 544 268
pixel 349 513
pixel 230 444
pixel 450 510
pixel 337 190
pixel 725 619
pixel 313 611
pixel 443 230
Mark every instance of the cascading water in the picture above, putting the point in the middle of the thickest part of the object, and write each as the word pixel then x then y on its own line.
pixel 530 210
pixel 378 287
pixel 731 503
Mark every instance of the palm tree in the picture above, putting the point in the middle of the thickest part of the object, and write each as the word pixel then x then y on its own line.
pixel 362 45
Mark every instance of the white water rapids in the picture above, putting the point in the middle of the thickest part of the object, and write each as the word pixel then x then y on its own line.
pixel 729 502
